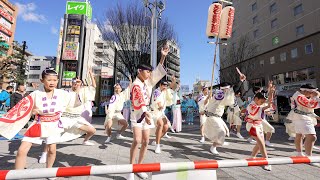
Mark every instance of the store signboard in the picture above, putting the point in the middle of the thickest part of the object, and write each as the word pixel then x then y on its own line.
pixel 4 37
pixel 5 23
pixel 6 15
pixel 5 30
pixel 69 74
pixel 83 8
pixel 70 50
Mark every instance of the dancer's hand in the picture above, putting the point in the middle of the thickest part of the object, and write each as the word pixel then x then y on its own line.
pixel 148 118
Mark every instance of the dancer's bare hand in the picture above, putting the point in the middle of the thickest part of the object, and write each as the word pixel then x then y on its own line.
pixel 148 118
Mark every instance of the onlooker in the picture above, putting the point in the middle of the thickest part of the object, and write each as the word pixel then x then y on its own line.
pixel 18 95
pixel 5 99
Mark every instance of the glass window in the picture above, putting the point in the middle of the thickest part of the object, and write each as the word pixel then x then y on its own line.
pixel 278 79
pixel 309 48
pixel 311 73
pixel 35 67
pixel 273 8
pixel 283 56
pixel 297 10
pixel 34 76
pixel 256 33
pixel 294 76
pixel 272 60
pixel 255 20
pixel 302 75
pixel 254 6
pixel 299 30
pixel 288 77
pixel 261 63
pixel 105 64
pixel 294 53
pixel 274 23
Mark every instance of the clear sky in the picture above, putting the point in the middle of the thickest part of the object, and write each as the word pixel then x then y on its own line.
pixel 38 24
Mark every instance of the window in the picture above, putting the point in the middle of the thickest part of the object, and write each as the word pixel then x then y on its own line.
pixel 308 48
pixel 278 79
pixel 104 64
pixel 299 30
pixel 34 76
pixel 294 53
pixel 256 33
pixel 255 20
pixel 302 75
pixel 254 6
pixel 37 59
pixel 261 63
pixel 272 60
pixel 297 10
pixel 288 77
pixel 274 23
pixel 273 8
pixel 35 67
pixel 283 56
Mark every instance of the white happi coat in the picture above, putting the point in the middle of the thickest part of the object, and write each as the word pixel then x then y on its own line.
pixel 73 118
pixel 215 128
pixel 158 98
pixel 115 107
pixel 255 117
pixel 37 103
pixel 140 96
pixel 202 108
pixel 307 105
pixel 233 112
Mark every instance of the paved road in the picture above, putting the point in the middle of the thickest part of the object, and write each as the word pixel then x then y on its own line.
pixel 182 146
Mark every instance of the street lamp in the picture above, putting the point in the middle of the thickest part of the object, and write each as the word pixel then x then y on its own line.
pixel 156 8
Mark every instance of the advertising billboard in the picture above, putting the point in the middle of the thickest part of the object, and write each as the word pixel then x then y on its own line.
pixel 83 8
pixel 70 50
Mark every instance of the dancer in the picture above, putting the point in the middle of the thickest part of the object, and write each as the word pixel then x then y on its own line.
pixel 47 106
pixel 233 116
pixel 114 115
pixel 202 107
pixel 307 99
pixel 141 118
pixel 255 116
pixel 290 130
pixel 160 120
pixel 176 109
pixel 215 128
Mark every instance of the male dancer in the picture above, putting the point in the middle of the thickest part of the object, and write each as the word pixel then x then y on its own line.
pixel 234 116
pixel 202 108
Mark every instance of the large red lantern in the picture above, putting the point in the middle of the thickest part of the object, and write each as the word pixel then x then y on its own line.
pixel 213 23
pixel 227 17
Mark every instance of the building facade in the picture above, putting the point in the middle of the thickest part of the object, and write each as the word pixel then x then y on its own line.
pixel 8 19
pixel 172 62
pixel 285 35
pixel 35 66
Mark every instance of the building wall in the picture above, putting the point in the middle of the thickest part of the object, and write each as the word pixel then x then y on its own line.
pixel 36 64
pixel 273 42
pixel 8 21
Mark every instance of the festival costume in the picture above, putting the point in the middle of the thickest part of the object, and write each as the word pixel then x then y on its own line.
pixel 176 111
pixel 233 112
pixel 289 120
pixel 158 97
pixel 47 125
pixel 115 107
pixel 202 108
pixel 126 110
pixel 191 106
pixel 254 118
pixel 140 98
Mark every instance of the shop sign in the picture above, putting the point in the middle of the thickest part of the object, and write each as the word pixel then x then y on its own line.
pixel 70 51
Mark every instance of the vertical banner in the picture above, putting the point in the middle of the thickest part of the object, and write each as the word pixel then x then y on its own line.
pixel 59 45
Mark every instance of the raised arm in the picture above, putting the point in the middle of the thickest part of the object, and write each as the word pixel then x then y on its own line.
pixel 92 78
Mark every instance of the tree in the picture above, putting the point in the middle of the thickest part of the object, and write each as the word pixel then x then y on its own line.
pixel 129 28
pixel 12 68
pixel 238 55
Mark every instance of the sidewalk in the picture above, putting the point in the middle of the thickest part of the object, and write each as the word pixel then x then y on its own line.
pixel 182 147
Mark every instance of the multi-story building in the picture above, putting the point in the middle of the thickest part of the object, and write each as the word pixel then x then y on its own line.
pixel 172 62
pixel 285 38
pixel 35 66
pixel 8 19
pixel 99 54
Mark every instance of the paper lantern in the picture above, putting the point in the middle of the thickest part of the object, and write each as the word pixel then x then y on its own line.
pixel 213 23
pixel 227 17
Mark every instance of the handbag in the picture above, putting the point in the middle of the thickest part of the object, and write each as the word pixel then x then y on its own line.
pixel 34 130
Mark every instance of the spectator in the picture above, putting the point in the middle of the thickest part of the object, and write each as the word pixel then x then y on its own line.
pixel 5 98
pixel 17 96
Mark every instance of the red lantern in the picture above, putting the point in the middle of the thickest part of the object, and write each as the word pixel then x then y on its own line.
pixel 227 17
pixel 213 23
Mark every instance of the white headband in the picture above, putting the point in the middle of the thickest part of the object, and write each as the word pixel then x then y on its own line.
pixel 225 87
pixel 309 90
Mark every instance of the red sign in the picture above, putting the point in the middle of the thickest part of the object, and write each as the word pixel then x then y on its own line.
pixel 6 15
pixel 5 30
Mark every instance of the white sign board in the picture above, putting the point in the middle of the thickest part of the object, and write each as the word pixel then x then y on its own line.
pixel 184 88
